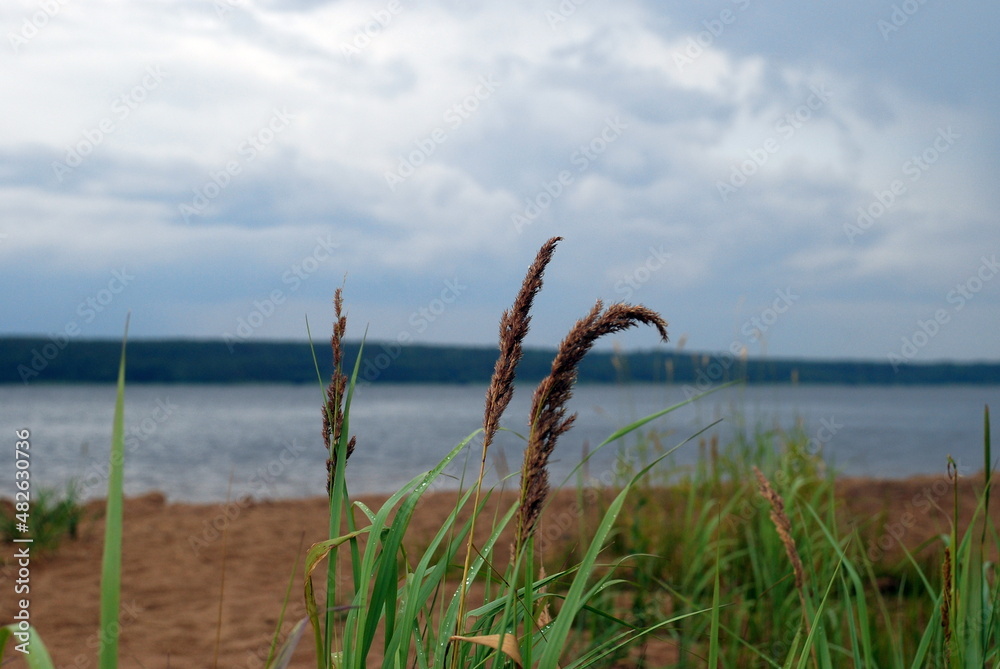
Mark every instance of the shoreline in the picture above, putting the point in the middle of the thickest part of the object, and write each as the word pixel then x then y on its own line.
pixel 174 561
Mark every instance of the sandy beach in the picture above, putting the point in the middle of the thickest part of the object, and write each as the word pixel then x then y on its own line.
pixel 174 559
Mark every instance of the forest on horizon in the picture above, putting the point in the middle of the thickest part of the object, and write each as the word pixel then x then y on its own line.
pixel 30 360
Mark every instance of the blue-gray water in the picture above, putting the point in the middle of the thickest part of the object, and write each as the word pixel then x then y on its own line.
pixel 189 441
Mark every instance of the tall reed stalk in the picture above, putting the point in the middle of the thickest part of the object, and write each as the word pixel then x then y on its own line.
pixel 548 419
pixel 514 324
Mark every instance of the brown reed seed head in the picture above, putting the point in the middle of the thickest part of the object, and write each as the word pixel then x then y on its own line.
pixel 513 328
pixel 548 418
pixel 335 391
pixel 783 525
pixel 338 382
pixel 339 327
pixel 946 599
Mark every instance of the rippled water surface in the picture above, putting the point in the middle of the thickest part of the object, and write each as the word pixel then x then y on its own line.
pixel 191 441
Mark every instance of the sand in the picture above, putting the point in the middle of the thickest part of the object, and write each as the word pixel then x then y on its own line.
pixel 172 579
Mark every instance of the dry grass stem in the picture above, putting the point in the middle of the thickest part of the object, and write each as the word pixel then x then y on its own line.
pixel 333 415
pixel 548 408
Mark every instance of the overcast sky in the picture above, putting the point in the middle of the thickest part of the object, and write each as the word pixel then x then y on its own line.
pixel 797 179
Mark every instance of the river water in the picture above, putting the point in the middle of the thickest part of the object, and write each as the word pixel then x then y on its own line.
pixel 202 442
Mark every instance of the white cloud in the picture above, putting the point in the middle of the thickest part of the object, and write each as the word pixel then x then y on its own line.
pixel 553 86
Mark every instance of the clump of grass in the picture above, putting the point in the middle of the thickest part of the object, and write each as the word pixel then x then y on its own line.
pixel 700 524
pixel 548 421
pixel 54 517
pixel 708 548
pixel 406 600
pixel 784 528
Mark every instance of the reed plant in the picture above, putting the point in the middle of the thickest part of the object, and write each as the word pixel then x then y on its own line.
pixel 421 616
pixel 745 559
pixel 798 586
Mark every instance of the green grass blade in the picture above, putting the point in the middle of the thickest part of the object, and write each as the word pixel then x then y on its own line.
pixel 111 566
pixel 284 656
pixel 986 611
pixel 315 554
pixel 560 629
pixel 987 457
pixel 427 578
pixel 816 626
pixel 625 639
pixel 340 484
pixel 790 660
pixel 559 632
pixel 920 657
pixel 382 605
pixel 449 621
pixel 632 427
pixel 713 640
pixel 284 606
pixel 36 657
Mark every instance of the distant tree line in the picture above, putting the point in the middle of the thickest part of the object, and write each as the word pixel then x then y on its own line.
pixel 42 360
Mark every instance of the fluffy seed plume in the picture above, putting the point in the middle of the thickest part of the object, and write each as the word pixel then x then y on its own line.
pixel 333 415
pixel 784 527
pixel 513 327
pixel 548 418
pixel 514 324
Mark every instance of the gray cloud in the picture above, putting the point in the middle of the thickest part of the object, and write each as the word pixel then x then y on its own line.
pixel 697 158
